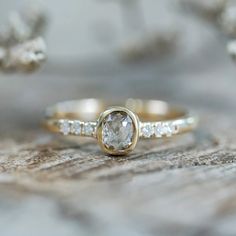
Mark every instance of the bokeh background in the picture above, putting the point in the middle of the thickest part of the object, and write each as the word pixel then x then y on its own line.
pixel 90 54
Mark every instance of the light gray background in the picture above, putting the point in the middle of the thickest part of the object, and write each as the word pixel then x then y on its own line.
pixel 200 75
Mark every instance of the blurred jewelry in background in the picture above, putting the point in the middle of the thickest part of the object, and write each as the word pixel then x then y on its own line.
pixel 144 44
pixel 209 9
pixel 231 47
pixel 229 26
pixel 22 47
pixel 220 12
pixel 153 45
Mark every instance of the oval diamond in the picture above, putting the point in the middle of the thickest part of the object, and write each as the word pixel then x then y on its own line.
pixel 117 131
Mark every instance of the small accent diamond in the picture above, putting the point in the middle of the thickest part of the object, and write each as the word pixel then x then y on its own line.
pixel 76 127
pixel 158 130
pixel 64 127
pixel 147 130
pixel 168 129
pixel 88 129
pixel 174 128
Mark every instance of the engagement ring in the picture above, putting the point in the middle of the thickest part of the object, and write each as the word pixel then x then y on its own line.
pixel 118 127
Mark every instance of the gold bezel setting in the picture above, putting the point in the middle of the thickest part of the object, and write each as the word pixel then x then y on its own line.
pixel 135 135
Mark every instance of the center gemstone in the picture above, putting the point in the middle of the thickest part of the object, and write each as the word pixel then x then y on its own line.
pixel 117 131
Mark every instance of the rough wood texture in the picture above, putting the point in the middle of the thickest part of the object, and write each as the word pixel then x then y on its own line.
pixel 182 186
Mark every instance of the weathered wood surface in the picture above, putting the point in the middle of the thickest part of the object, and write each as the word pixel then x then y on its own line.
pixel 182 186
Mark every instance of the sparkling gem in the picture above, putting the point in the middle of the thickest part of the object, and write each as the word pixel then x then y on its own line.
pixel 117 131
pixel 158 130
pixel 167 129
pixel 88 129
pixel 65 127
pixel 147 130
pixel 76 127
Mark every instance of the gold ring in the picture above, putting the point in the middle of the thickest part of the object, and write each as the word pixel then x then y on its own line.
pixel 118 128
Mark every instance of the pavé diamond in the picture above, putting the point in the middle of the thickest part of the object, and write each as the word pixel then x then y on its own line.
pixel 165 129
pixel 76 127
pixel 173 128
pixel 64 127
pixel 147 130
pixel 168 129
pixel 158 130
pixel 88 129
pixel 117 131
